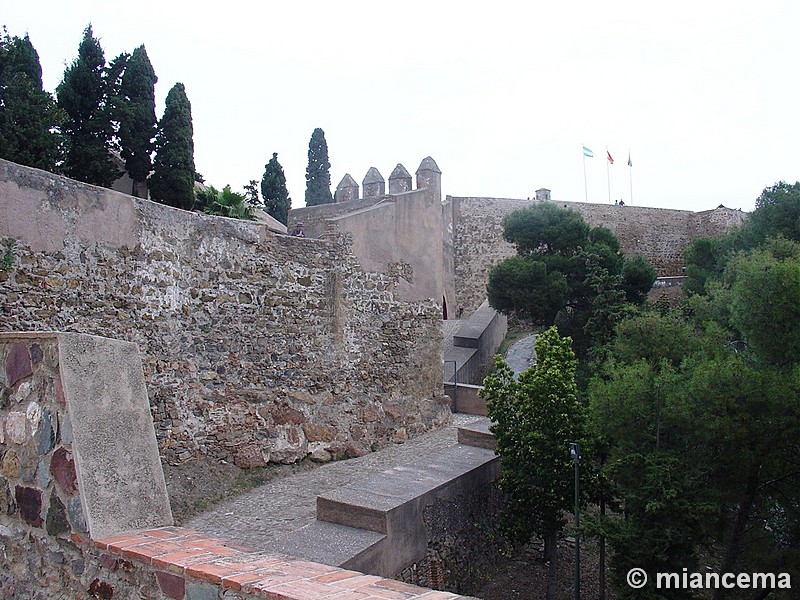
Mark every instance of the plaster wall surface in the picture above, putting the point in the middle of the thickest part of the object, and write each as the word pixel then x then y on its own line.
pixel 401 236
pixel 257 347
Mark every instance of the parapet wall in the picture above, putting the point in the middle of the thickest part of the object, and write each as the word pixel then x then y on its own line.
pixel 659 234
pixel 257 347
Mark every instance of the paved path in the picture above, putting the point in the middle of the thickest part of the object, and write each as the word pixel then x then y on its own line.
pixel 521 355
pixel 286 505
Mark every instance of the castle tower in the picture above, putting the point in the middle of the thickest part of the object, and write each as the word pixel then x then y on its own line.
pixel 399 180
pixel 374 184
pixel 543 195
pixel 429 176
pixel 346 190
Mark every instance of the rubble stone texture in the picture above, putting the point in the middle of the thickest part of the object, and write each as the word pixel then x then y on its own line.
pixel 249 339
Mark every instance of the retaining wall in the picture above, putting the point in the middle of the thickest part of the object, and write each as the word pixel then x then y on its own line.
pixel 257 347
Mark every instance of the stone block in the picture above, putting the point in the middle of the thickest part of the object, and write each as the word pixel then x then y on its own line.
pixel 172 586
pixel 319 433
pixel 29 502
pixel 477 434
pixel 56 522
pixel 251 456
pixel 113 433
pixel 75 514
pixel 47 434
pixel 18 364
pixel 62 466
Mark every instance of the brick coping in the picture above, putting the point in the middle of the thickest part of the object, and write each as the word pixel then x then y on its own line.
pixel 177 551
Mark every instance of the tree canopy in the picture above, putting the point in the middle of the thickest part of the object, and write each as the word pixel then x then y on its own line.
pixel 534 420
pixel 273 190
pixel 83 96
pixel 137 118
pixel 29 117
pixel 172 181
pixel 564 270
pixel 318 175
pixel 697 408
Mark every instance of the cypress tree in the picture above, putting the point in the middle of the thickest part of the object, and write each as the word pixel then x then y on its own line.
pixel 137 119
pixel 29 118
pixel 172 181
pixel 88 129
pixel 318 175
pixel 274 192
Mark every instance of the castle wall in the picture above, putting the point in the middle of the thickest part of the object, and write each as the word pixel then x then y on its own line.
pixel 314 218
pixel 659 234
pixel 257 347
pixel 400 234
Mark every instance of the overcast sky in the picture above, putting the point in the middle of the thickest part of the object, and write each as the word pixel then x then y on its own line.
pixel 703 94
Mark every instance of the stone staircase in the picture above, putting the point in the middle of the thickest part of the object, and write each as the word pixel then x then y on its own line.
pixel 375 524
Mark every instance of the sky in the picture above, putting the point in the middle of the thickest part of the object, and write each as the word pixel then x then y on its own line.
pixel 701 94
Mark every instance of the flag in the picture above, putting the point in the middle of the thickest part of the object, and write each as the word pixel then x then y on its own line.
pixel 611 160
pixel 630 164
pixel 587 152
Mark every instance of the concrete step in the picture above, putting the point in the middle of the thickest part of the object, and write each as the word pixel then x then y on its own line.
pixel 476 433
pixel 327 543
pixel 391 503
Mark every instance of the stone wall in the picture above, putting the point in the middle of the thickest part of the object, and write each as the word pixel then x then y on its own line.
pixel 463 542
pixel 659 234
pixel 257 347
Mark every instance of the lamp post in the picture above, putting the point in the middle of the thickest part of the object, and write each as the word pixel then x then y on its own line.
pixel 575 453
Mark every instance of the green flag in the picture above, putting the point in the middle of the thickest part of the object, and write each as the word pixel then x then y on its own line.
pixel 587 152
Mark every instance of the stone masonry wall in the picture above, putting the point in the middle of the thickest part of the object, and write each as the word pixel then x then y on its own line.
pixel 257 347
pixel 659 234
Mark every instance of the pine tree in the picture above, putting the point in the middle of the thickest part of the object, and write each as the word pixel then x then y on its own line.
pixel 172 181
pixel 137 116
pixel 89 131
pixel 29 118
pixel 318 175
pixel 274 192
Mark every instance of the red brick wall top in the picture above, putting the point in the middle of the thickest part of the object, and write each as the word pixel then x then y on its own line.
pixel 178 555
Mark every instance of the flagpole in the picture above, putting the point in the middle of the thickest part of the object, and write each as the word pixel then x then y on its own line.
pixel 630 174
pixel 608 174
pixel 585 187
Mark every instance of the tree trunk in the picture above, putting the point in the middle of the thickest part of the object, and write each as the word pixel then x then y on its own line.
pixel 738 529
pixel 602 578
pixel 551 556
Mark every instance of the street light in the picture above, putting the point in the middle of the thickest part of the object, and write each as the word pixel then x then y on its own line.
pixel 575 453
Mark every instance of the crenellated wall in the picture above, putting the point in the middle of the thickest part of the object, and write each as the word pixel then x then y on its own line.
pixel 400 233
pixel 659 234
pixel 257 347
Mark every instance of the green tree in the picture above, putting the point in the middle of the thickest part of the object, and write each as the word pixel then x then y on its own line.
pixel 566 273
pixel 225 203
pixel 545 229
pixel 638 276
pixel 251 193
pixel 777 213
pixel 172 181
pixel 89 131
pixel 318 175
pixel 764 300
pixel 534 420
pixel 137 117
pixel 274 192
pixel 29 117
pixel 702 449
